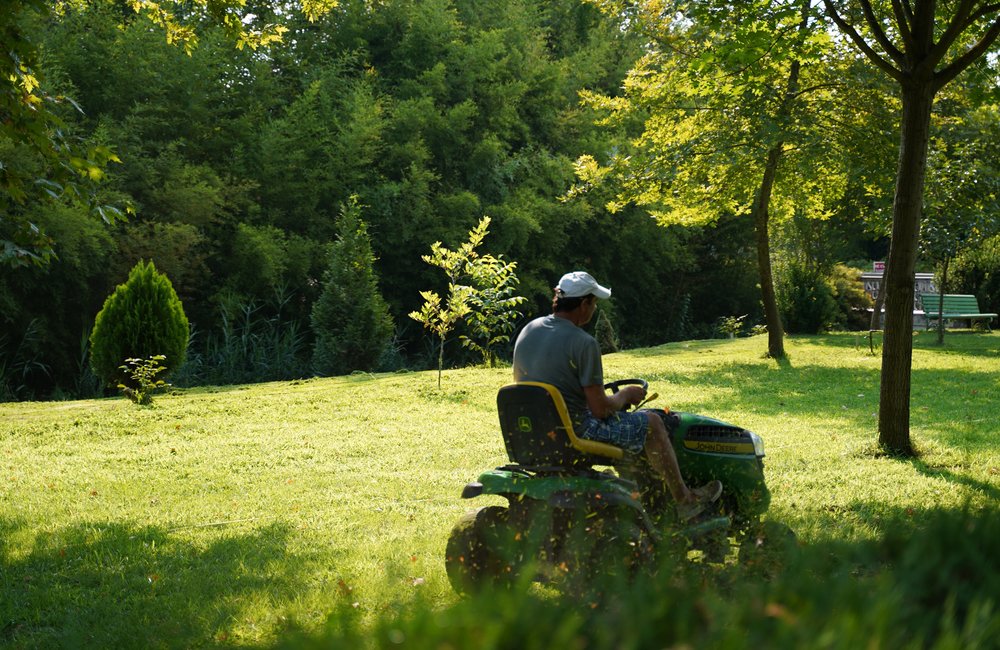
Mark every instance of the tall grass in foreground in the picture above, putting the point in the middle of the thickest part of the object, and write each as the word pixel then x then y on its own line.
pixel 932 585
pixel 253 515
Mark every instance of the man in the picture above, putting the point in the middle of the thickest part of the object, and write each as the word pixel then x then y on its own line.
pixel 556 350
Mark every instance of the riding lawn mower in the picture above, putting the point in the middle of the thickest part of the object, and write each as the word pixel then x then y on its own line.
pixel 577 508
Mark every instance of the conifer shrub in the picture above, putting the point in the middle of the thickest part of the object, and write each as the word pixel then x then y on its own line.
pixel 604 332
pixel 806 299
pixel 350 320
pixel 143 318
pixel 853 302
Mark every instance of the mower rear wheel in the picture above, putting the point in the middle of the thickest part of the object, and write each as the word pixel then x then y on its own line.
pixel 479 553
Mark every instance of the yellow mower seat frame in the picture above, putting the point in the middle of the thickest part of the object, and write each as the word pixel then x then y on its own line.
pixel 537 429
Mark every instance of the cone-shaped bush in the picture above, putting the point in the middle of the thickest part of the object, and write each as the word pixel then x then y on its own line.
pixel 142 318
pixel 604 332
pixel 350 319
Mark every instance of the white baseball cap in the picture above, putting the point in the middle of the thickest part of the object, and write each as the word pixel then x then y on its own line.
pixel 579 284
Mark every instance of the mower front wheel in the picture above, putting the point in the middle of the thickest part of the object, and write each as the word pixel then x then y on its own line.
pixel 480 551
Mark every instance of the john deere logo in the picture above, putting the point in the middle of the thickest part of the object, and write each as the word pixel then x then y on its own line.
pixel 524 424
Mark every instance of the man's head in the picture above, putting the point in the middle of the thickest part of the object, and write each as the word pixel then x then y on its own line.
pixel 578 290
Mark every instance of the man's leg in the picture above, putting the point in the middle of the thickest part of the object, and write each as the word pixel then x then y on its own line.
pixel 627 431
pixel 660 452
pixel 663 460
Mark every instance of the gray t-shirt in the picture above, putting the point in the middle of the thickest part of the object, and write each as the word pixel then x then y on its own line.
pixel 555 351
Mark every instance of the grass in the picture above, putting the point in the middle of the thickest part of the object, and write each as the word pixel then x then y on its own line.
pixel 240 515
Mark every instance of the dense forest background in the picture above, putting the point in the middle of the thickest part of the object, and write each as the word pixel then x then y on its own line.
pixel 234 165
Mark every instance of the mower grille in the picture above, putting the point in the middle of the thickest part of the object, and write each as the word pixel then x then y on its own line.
pixel 714 432
pixel 719 439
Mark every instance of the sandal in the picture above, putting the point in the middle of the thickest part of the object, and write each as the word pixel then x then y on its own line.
pixel 705 496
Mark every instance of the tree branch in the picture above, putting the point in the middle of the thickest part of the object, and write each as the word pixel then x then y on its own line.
pixel 962 62
pixel 983 11
pixel 922 30
pixel 957 25
pixel 861 43
pixel 903 18
pixel 876 28
pixel 823 86
pixel 908 10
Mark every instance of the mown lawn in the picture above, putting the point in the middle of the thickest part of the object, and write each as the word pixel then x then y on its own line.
pixel 231 515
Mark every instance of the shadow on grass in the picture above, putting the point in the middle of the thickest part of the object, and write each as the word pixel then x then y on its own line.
pixel 969 343
pixel 848 396
pixel 963 342
pixel 988 489
pixel 115 585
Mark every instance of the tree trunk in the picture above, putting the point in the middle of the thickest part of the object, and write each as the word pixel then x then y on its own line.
pixel 761 218
pixel 876 321
pixel 761 209
pixel 440 361
pixel 944 280
pixel 875 325
pixel 897 350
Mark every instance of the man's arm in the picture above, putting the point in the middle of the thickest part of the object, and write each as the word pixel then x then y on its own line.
pixel 602 405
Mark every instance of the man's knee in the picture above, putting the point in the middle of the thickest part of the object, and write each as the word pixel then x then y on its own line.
pixel 656 434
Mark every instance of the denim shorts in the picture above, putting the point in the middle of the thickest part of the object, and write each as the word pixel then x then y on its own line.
pixel 625 429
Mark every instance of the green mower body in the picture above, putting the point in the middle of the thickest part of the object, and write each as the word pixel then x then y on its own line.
pixel 706 449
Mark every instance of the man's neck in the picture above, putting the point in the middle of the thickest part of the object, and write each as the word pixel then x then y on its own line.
pixel 574 316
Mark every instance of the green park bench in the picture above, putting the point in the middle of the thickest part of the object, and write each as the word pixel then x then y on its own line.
pixel 953 307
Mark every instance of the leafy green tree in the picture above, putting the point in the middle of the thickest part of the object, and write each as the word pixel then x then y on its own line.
pixel 179 251
pixel 604 332
pixel 144 381
pixel 922 45
pixel 350 320
pixel 322 150
pixel 31 113
pixel 962 206
pixel 493 305
pixel 482 116
pixel 728 94
pixel 978 271
pixel 853 301
pixel 481 290
pixel 266 258
pixel 438 112
pixel 58 301
pixel 49 161
pixel 143 318
pixel 441 317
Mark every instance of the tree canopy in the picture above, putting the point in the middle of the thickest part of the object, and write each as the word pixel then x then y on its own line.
pixel 228 166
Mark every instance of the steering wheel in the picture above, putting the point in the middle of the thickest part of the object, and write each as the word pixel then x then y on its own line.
pixel 615 385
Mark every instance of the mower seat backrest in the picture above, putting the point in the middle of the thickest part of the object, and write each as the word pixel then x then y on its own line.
pixel 537 429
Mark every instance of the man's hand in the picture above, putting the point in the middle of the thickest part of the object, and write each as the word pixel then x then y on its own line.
pixel 602 405
pixel 630 396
